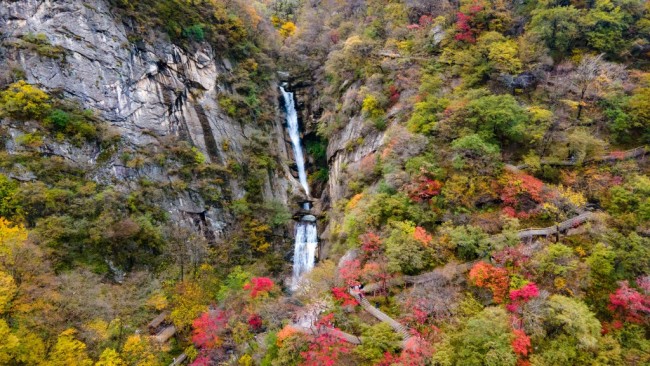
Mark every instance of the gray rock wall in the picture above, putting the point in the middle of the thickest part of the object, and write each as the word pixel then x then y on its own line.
pixel 142 90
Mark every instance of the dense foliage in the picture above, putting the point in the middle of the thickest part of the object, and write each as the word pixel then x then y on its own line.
pixel 461 125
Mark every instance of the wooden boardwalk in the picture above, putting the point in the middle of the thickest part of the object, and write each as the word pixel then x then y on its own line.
pixel 367 306
pixel 315 331
pixel 612 156
pixel 559 228
pixel 464 267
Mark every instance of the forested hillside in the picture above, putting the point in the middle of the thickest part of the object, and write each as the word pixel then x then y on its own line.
pixel 477 172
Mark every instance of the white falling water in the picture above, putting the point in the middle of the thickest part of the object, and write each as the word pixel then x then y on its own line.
pixel 304 251
pixel 294 134
pixel 306 234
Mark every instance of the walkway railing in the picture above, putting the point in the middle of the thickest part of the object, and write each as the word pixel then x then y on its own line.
pixel 367 306
pixel 612 156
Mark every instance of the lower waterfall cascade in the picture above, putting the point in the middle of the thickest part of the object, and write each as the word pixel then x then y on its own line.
pixel 306 234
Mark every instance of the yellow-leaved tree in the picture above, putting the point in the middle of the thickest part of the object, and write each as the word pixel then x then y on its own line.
pixel 139 351
pixel 11 238
pixel 287 29
pixel 110 357
pixel 68 351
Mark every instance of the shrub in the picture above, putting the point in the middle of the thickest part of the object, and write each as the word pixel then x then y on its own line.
pixel 372 107
pixel 287 29
pixel 194 32
pixel 23 101
pixel 59 118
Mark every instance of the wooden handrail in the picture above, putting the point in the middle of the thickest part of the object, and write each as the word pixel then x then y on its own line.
pixel 612 156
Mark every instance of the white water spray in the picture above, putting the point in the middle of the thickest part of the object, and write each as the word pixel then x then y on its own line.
pixel 306 233
pixel 294 134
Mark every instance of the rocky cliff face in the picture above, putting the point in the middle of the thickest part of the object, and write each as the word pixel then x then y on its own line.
pixel 145 91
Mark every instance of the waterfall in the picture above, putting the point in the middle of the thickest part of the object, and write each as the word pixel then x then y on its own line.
pixel 304 251
pixel 306 233
pixel 294 134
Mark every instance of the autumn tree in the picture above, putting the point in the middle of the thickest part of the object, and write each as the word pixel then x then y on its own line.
pixel 493 278
pixel 208 328
pixel 24 101
pixel 522 194
pixel 110 357
pixel 188 301
pixel 326 348
pixel 140 351
pixel 594 76
pixel 630 305
pixel 259 286
pixel 68 351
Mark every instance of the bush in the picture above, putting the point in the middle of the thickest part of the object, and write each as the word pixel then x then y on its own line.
pixel 194 33
pixel 372 107
pixel 287 29
pixel 23 101
pixel 59 118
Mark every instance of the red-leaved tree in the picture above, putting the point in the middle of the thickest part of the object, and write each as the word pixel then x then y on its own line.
pixel 521 344
pixel 327 348
pixel 370 243
pixel 258 286
pixel 493 278
pixel 629 305
pixel 201 360
pixel 423 189
pixel 350 272
pixel 522 194
pixel 255 322
pixel 522 296
pixel 207 328
pixel 466 23
pixel 342 295
pixel 422 236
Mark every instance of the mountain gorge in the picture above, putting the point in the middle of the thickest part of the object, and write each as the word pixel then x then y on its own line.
pixel 475 180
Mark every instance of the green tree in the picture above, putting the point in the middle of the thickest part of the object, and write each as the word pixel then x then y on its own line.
pixel 9 205
pixel 557 260
pixel 470 241
pixel 376 341
pixel 496 118
pixel 559 27
pixel 639 107
pixel 605 25
pixel 491 55
pixel 573 334
pixel 485 339
pixel 403 251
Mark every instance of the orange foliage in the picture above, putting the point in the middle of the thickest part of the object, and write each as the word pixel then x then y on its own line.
pixel 354 201
pixel 285 333
pixel 494 278
pixel 422 236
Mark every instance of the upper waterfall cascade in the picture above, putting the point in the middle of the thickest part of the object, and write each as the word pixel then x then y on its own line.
pixel 306 240
pixel 294 133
